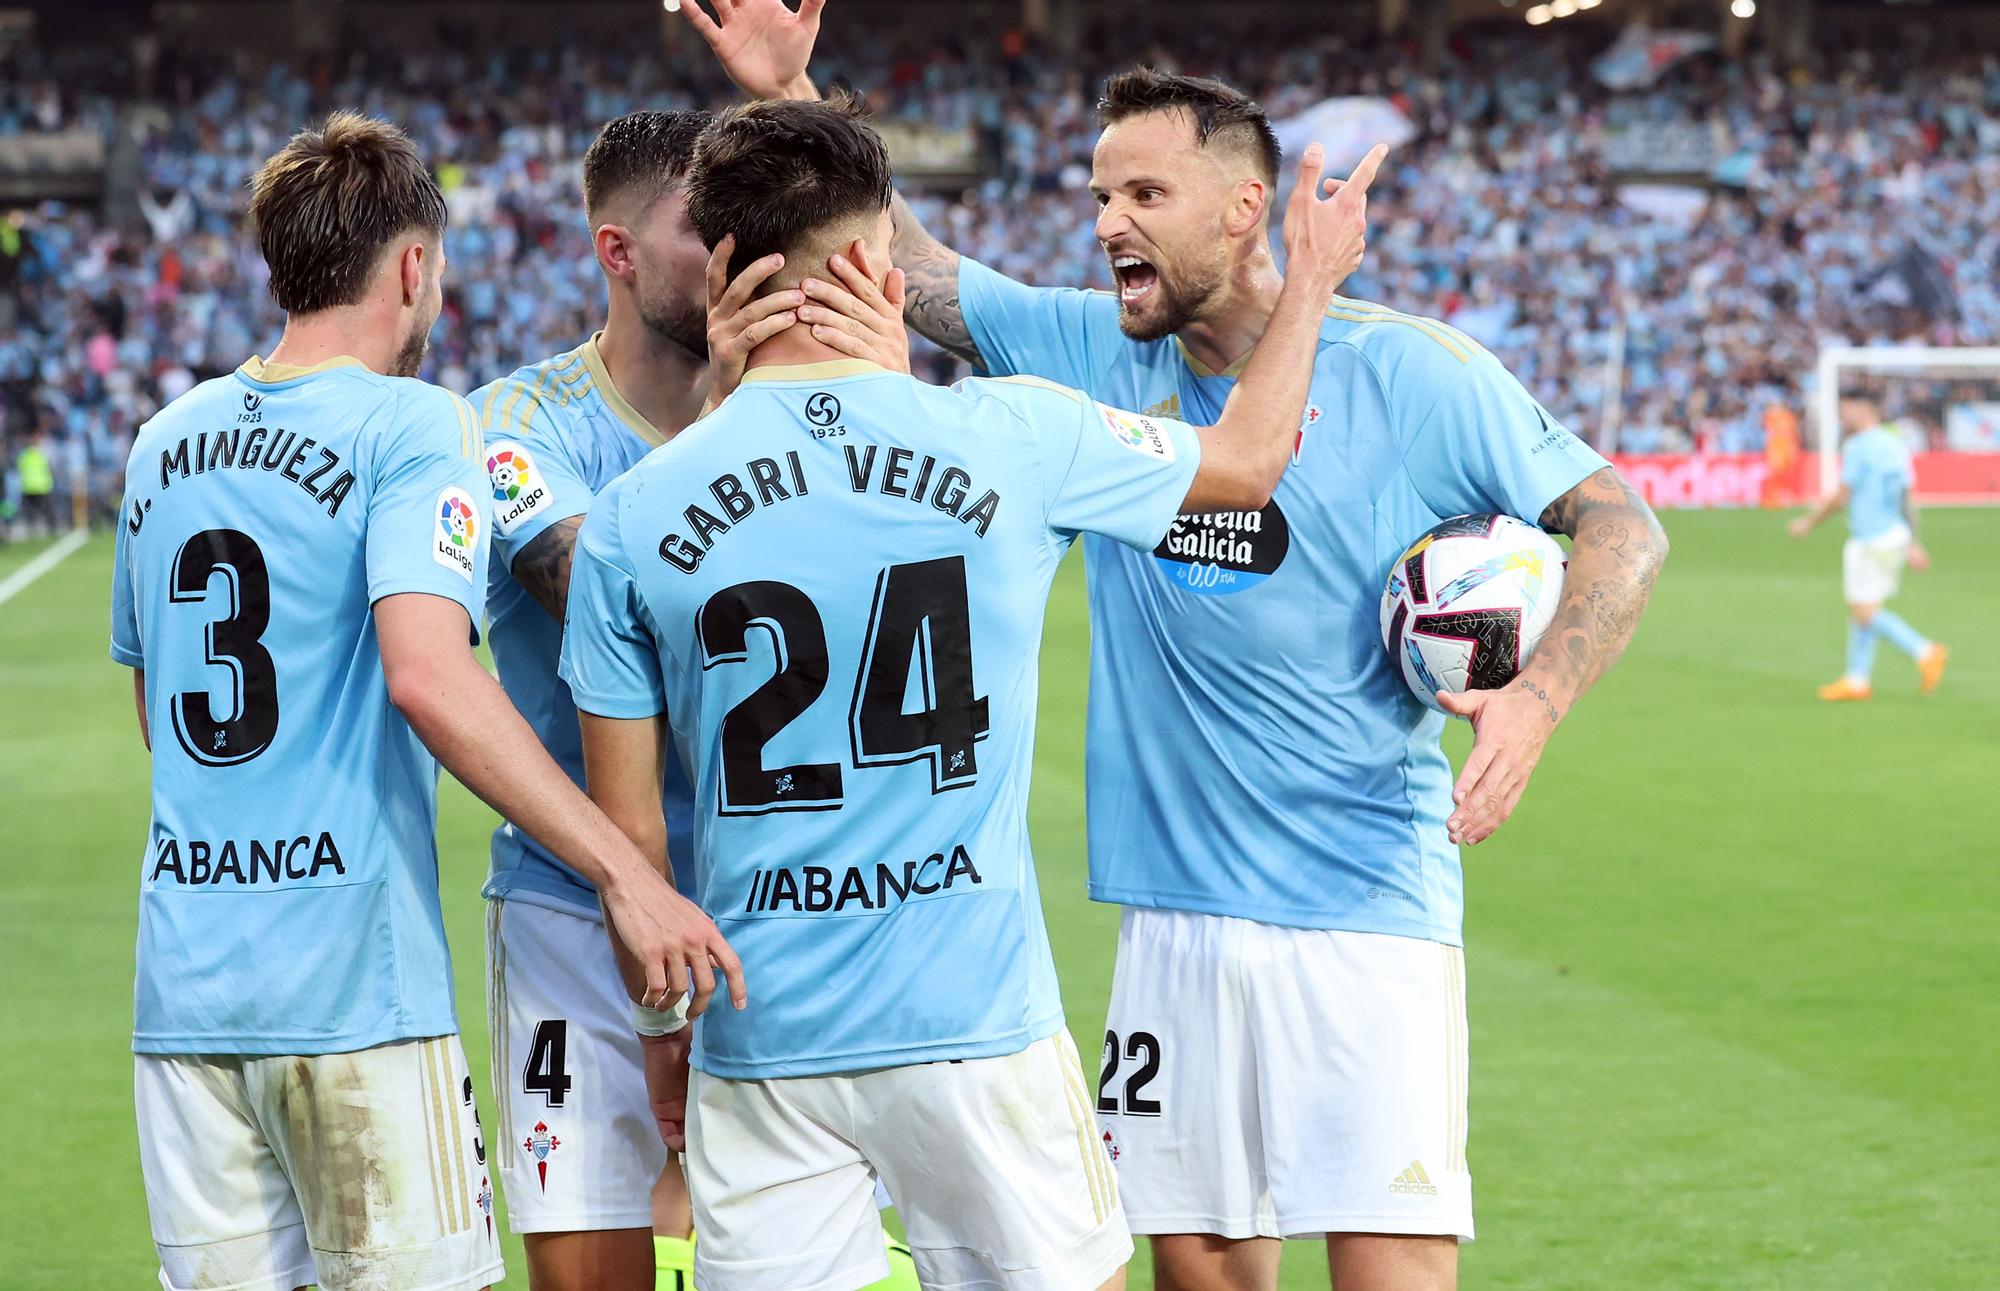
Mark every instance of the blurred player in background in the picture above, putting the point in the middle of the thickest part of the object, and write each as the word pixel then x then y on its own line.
pixel 567 1065
pixel 1877 488
pixel 299 582
pixel 1285 1053
pixel 832 591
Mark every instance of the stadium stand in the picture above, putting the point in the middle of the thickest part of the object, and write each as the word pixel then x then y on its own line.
pixel 1857 201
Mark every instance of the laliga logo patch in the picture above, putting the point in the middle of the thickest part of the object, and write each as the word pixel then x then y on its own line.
pixel 1140 434
pixel 518 489
pixel 455 532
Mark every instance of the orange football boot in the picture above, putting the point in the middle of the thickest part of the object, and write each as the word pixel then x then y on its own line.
pixel 1930 668
pixel 1844 690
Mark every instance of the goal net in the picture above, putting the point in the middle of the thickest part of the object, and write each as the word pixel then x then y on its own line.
pixel 1944 402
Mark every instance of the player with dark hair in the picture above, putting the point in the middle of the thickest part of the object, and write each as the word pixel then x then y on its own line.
pixel 1263 791
pixel 583 1165
pixel 298 585
pixel 829 595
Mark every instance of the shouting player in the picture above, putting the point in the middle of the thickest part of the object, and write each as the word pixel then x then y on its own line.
pixel 1876 487
pixel 299 581
pixel 831 592
pixel 1285 1054
pixel 567 1066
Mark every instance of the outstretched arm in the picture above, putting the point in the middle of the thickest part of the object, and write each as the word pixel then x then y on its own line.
pixel 1617 550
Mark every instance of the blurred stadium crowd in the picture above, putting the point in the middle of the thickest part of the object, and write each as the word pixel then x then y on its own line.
pixel 1502 215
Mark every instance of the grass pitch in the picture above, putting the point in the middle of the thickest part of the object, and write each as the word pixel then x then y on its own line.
pixel 1734 982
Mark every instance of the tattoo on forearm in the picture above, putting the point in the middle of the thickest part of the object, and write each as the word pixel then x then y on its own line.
pixel 1555 715
pixel 930 274
pixel 1617 550
pixel 543 566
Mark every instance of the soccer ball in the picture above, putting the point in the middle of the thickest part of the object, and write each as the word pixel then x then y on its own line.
pixel 1467 603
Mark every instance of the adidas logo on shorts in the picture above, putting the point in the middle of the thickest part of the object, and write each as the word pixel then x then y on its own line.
pixel 1413 1182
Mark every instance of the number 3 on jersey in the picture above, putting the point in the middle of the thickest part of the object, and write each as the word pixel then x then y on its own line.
pixel 235 642
pixel 920 624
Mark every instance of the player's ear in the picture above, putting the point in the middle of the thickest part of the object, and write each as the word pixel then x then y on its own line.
pixel 1247 204
pixel 410 268
pixel 614 249
pixel 873 264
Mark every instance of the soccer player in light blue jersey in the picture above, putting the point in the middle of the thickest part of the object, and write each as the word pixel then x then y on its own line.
pixel 1286 1049
pixel 1877 486
pixel 298 585
pixel 567 1065
pixel 830 593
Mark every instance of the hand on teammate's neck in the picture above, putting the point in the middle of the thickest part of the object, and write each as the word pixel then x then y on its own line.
pixel 665 383
pixel 1237 314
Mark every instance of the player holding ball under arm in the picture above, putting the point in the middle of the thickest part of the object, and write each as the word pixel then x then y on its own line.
pixel 1263 790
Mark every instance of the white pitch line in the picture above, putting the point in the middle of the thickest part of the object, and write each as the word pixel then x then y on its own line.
pixel 20 579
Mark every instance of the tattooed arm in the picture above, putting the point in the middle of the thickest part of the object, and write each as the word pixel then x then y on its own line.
pixel 930 292
pixel 1618 548
pixel 543 565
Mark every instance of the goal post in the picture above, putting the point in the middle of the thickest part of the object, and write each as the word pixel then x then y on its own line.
pixel 1944 400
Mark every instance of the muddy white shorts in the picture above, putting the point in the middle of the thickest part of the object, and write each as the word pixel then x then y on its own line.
pixel 997 1172
pixel 578 1149
pixel 1285 1082
pixel 348 1170
pixel 1871 569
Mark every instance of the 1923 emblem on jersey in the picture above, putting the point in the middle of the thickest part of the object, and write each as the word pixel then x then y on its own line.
pixel 822 409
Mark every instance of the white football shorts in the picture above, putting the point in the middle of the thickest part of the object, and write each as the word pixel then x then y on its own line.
pixel 1871 569
pixel 345 1170
pixel 577 1147
pixel 997 1171
pixel 1260 1081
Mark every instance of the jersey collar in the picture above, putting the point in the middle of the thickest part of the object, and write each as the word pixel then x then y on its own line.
pixel 823 371
pixel 257 369
pixel 600 376
pixel 1201 369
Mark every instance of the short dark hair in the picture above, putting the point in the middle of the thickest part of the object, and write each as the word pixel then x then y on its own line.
pixel 1218 111
pixel 775 173
pixel 328 202
pixel 644 152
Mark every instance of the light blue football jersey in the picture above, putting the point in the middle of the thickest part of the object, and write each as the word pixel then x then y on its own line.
pixel 556 432
pixel 1251 751
pixel 834 586
pixel 288 899
pixel 1875 466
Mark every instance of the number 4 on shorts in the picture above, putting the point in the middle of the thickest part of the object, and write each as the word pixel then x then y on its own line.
pixel 1142 1047
pixel 547 1072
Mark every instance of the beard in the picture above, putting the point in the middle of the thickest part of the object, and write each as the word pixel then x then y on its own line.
pixel 409 360
pixel 678 319
pixel 1173 303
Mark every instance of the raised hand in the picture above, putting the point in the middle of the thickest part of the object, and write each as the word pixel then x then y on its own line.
pixel 1325 238
pixel 763 45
